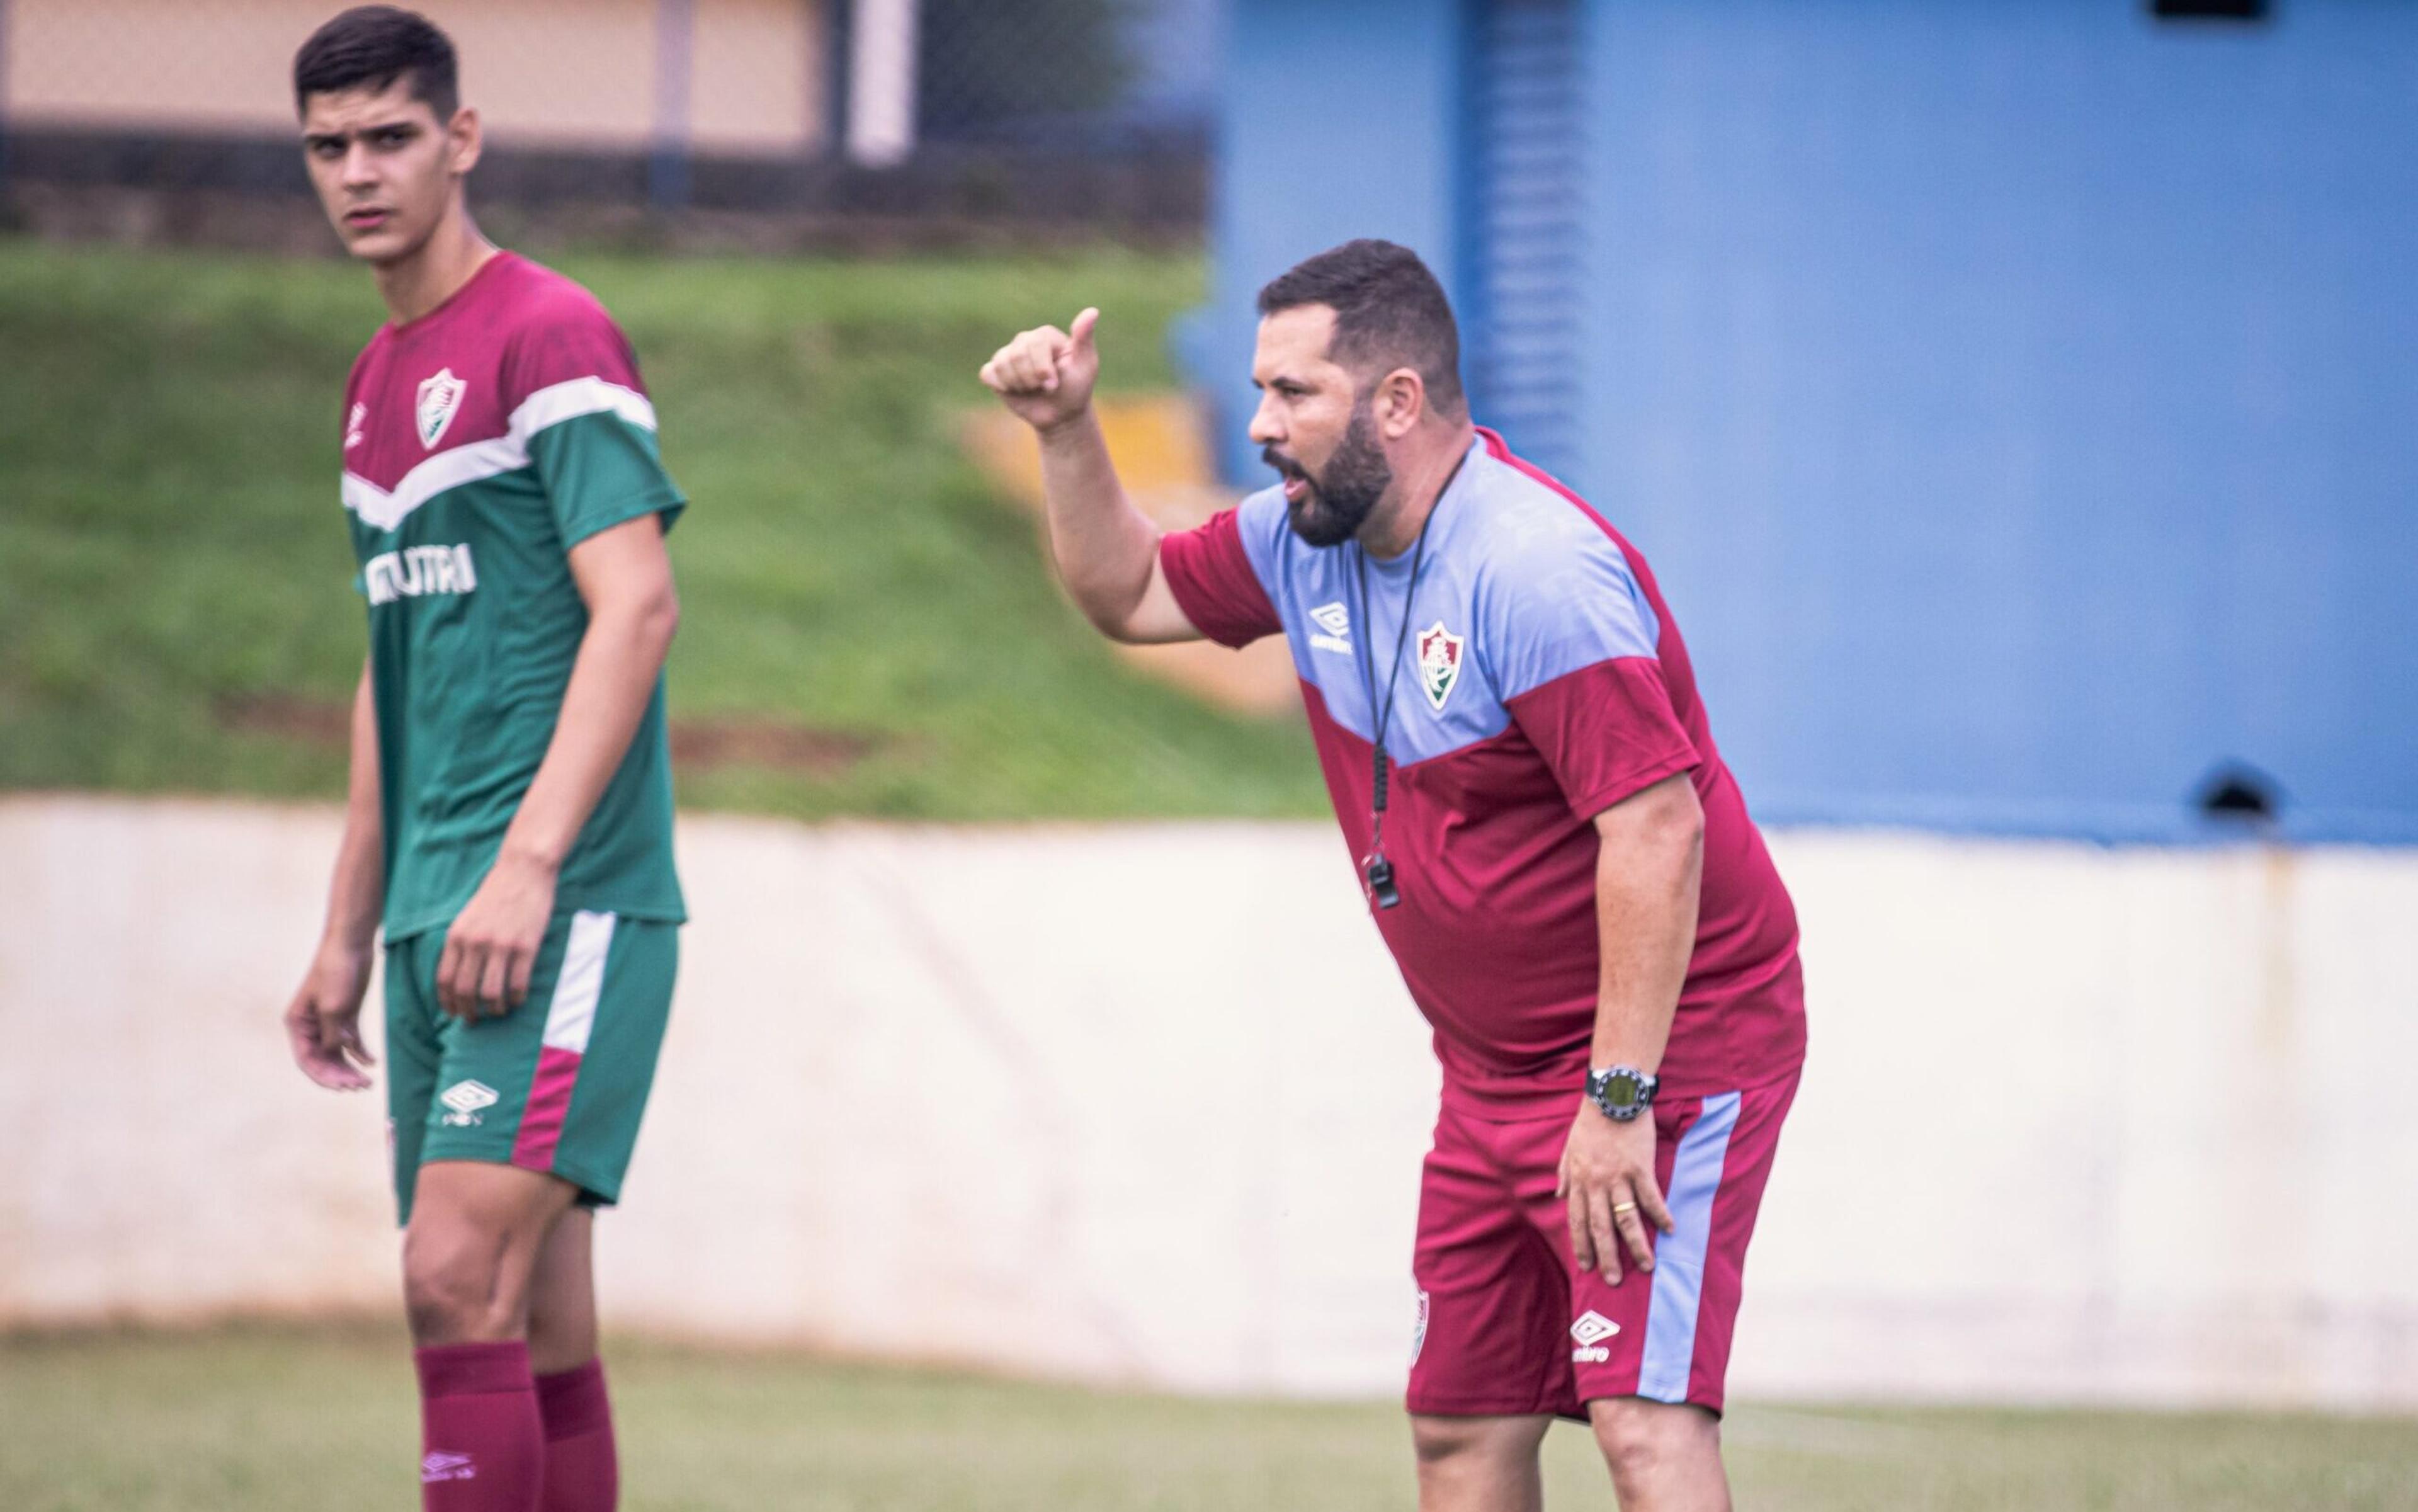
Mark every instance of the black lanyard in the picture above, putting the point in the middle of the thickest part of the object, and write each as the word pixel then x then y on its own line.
pixel 1374 868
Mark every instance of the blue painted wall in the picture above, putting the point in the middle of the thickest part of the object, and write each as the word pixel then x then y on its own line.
pixel 2018 398
pixel 1336 116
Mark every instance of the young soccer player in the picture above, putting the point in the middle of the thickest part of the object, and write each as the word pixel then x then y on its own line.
pixel 510 811
pixel 1550 844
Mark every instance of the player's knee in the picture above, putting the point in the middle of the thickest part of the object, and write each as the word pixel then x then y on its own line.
pixel 1641 1440
pixel 454 1287
pixel 561 1333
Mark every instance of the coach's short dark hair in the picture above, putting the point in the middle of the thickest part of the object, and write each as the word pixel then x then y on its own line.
pixel 369 47
pixel 1389 313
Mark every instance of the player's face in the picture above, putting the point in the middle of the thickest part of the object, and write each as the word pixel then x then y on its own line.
pixel 1316 428
pixel 386 169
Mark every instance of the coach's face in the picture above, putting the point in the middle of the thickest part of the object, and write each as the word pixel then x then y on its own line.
pixel 1315 427
pixel 385 168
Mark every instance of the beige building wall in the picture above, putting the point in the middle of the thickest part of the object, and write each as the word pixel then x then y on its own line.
pixel 543 73
pixel 1146 1105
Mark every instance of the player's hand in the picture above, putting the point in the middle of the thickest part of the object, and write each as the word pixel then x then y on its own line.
pixel 1607 1165
pixel 323 1023
pixel 1046 375
pixel 491 946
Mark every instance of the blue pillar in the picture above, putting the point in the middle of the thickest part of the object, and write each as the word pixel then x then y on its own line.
pixel 4 98
pixel 1338 119
pixel 668 164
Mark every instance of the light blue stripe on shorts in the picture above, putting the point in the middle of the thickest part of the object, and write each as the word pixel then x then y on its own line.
pixel 1679 1258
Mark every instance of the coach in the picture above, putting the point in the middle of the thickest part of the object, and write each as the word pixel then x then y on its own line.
pixel 1549 843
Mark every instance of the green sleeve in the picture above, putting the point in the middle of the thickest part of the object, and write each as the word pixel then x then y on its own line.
pixel 599 471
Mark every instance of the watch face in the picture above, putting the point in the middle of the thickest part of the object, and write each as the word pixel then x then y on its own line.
pixel 1622 1090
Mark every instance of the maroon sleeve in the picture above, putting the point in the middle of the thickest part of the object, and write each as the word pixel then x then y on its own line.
pixel 1214 585
pixel 566 335
pixel 1607 730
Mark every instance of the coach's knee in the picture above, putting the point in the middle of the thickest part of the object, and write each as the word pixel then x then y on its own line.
pixel 457 1288
pixel 1644 1440
pixel 1442 1441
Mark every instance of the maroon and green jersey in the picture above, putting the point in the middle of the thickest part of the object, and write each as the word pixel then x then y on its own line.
pixel 482 442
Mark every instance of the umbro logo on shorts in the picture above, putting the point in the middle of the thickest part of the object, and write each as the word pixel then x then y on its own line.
pixel 1591 1330
pixel 466 1099
pixel 439 1465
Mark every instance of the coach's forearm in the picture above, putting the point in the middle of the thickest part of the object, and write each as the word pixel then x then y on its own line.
pixel 357 890
pixel 612 681
pixel 1647 880
pixel 1104 547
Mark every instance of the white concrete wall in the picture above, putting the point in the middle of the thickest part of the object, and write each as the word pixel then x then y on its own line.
pixel 1147 1104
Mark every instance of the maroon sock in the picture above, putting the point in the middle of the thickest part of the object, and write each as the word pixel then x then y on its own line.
pixel 582 1473
pixel 483 1448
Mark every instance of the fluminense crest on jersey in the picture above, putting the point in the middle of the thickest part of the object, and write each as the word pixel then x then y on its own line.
pixel 440 398
pixel 1439 662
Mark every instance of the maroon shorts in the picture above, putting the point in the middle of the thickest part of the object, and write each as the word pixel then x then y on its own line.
pixel 1508 1326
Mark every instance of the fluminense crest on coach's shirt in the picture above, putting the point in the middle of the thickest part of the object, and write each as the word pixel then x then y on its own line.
pixel 1439 662
pixel 440 397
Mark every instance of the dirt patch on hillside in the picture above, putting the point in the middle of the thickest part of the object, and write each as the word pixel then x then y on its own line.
pixel 697 744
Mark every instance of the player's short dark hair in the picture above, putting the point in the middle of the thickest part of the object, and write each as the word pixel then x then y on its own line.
pixel 1389 313
pixel 369 47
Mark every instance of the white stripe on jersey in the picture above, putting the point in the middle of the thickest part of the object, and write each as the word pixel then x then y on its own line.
pixel 509 452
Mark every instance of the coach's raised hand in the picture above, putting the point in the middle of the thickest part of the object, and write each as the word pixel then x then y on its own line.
pixel 1107 552
pixel 1046 375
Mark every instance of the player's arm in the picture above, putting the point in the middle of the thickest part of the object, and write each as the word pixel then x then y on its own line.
pixel 1647 877
pixel 323 1020
pixel 1107 551
pixel 624 576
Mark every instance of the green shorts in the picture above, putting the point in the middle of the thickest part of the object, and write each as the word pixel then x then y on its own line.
pixel 558 1084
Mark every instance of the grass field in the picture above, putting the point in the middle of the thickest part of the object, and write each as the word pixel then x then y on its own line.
pixel 275 1420
pixel 867 630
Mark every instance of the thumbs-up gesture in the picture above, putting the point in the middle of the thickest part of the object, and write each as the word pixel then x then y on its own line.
pixel 1046 375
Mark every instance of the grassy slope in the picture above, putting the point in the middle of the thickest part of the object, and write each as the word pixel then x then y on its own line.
pixel 273 1420
pixel 169 536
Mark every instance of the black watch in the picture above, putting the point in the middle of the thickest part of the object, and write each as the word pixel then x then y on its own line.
pixel 1621 1092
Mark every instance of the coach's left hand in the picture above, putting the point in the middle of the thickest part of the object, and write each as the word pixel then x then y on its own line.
pixel 491 947
pixel 1608 1179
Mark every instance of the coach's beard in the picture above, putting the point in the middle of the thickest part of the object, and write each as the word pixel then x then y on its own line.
pixel 1334 506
